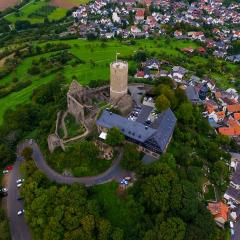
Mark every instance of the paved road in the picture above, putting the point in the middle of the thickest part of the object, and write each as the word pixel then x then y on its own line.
pixel 18 226
pixel 114 172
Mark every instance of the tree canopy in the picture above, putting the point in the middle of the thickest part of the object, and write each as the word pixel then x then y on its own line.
pixel 114 137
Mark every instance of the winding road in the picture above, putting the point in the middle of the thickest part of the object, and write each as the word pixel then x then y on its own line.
pixel 112 173
pixel 18 225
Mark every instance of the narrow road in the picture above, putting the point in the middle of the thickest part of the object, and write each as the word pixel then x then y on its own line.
pixel 18 225
pixel 112 173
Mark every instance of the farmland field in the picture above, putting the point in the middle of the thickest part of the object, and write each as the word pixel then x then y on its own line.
pixel 4 4
pixel 95 57
pixel 36 11
pixel 68 4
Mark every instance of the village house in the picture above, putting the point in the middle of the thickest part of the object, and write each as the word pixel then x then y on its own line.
pixel 219 210
pixel 140 14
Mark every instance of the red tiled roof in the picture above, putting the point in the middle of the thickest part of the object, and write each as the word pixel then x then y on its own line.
pixel 201 50
pixel 233 108
pixel 218 210
pixel 140 74
pixel 140 13
pixel 237 116
pixel 226 131
pixel 220 115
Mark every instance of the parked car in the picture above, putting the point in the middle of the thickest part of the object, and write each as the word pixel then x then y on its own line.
pixel 20 180
pixel 19 185
pixel 4 190
pixel 31 141
pixel 231 224
pixel 20 212
pixel 124 182
pixel 9 168
pixel 5 171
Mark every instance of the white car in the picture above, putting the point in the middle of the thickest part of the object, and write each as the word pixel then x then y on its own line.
pixel 20 180
pixel 4 190
pixel 231 225
pixel 5 171
pixel 19 185
pixel 20 212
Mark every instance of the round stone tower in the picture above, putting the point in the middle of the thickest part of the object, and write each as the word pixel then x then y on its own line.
pixel 118 80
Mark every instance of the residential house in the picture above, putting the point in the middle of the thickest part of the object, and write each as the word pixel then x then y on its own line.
pixel 219 210
pixel 140 14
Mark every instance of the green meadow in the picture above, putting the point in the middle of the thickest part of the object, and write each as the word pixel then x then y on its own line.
pixel 32 8
pixel 96 57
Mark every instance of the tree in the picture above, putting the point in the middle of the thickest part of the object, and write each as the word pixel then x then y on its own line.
pixel 114 137
pixel 185 112
pixel 27 153
pixel 4 228
pixel 155 192
pixel 131 158
pixel 117 234
pixel 173 228
pixel 162 103
pixel 140 56
pixel 220 173
pixel 169 93
pixel 91 36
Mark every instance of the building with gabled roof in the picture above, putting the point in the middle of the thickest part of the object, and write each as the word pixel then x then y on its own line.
pixel 152 139
pixel 219 210
pixel 233 108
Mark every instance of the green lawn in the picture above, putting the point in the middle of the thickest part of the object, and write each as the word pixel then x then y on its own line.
pixel 34 7
pixel 97 57
pixel 57 14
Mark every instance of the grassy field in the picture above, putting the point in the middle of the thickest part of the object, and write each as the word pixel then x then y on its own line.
pixel 96 56
pixel 68 4
pixel 35 7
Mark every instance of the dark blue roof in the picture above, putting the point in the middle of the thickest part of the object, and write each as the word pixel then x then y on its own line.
pixel 157 136
pixel 236 175
pixel 144 114
pixel 129 128
pixel 165 124
pixel 192 94
pixel 234 193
